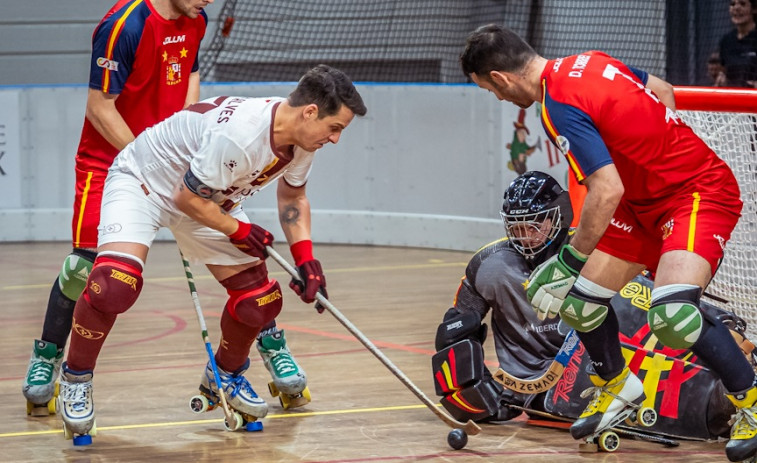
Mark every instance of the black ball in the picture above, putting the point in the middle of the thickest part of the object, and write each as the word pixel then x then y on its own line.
pixel 457 439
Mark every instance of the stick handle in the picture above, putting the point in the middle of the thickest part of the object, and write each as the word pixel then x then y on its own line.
pixel 206 339
pixel 470 427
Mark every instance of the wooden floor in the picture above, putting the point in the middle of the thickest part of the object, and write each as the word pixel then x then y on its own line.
pixel 151 365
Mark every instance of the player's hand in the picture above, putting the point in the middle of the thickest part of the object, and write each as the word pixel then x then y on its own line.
pixel 252 239
pixel 550 282
pixel 311 282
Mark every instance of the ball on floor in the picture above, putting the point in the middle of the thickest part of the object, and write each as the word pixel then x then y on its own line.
pixel 457 438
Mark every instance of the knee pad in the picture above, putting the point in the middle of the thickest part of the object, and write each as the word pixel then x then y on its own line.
pixel 255 307
pixel 114 283
pixel 586 306
pixel 675 317
pixel 458 326
pixel 76 269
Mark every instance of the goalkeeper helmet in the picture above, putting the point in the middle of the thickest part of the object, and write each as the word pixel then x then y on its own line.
pixel 536 209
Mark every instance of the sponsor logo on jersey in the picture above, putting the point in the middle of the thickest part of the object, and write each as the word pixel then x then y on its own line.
pixel 111 228
pixel 174 39
pixel 562 144
pixel 621 225
pixel 721 241
pixel 109 64
pixel 558 63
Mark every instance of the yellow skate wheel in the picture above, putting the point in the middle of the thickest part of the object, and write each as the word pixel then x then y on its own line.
pixel 284 401
pixel 57 389
pixel 51 406
pixel 299 400
pixel 199 404
pixel 646 416
pixel 67 432
pixel 93 432
pixel 608 441
pixel 236 424
pixel 29 408
pixel 273 389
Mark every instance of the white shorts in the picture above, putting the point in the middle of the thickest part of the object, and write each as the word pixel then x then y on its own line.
pixel 129 214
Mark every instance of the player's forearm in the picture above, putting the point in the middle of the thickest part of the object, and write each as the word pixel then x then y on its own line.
pixel 602 198
pixel 294 213
pixel 103 115
pixel 204 211
pixel 193 91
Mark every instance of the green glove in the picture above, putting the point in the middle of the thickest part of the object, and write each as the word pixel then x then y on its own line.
pixel 550 282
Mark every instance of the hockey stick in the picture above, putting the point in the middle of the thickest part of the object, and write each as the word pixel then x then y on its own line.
pixel 470 427
pixel 550 377
pixel 230 420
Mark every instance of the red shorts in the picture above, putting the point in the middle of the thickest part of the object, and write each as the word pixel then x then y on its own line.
pixel 690 222
pixel 90 181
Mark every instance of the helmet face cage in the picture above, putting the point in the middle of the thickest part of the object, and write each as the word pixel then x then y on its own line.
pixel 528 233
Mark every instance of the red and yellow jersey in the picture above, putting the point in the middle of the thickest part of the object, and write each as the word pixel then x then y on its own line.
pixel 146 60
pixel 598 111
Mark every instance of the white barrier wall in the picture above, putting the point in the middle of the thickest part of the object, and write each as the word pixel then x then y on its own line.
pixel 425 167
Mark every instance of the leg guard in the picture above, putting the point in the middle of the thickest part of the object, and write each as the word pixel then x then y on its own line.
pixel 586 305
pixel 115 283
pixel 256 305
pixel 458 326
pixel 73 275
pixel 468 391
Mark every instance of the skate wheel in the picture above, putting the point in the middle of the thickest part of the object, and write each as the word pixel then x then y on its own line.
pixel 84 439
pixel 238 422
pixel 273 389
pixel 299 400
pixel 29 408
pixel 93 432
pixel 67 432
pixel 646 416
pixel 609 441
pixel 51 406
pixel 284 401
pixel 199 404
pixel 254 426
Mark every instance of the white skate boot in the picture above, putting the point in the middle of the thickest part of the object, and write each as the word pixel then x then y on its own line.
pixel 40 387
pixel 289 380
pixel 613 402
pixel 76 406
pixel 239 393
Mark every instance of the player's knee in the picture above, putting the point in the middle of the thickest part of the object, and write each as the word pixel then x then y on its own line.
pixel 584 313
pixel 76 269
pixel 114 283
pixel 256 306
pixel 458 326
pixel 674 316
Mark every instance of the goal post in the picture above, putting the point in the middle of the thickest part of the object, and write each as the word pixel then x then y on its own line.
pixel 726 119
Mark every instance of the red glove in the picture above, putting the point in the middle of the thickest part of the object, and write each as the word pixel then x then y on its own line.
pixel 251 239
pixel 312 280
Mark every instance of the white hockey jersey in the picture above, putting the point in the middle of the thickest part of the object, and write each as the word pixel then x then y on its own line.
pixel 227 142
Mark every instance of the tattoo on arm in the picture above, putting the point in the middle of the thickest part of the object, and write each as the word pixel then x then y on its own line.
pixel 181 186
pixel 290 215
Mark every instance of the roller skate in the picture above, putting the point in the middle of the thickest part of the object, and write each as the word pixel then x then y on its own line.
pixel 289 382
pixel 613 402
pixel 76 406
pixel 40 385
pixel 743 443
pixel 246 405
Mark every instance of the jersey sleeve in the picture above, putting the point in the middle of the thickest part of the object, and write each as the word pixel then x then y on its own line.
pixel 642 75
pixel 298 171
pixel 574 133
pixel 114 49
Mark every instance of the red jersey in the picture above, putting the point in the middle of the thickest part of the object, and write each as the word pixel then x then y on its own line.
pixel 146 60
pixel 598 111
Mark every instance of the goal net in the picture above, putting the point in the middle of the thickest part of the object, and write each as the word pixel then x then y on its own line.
pixel 725 119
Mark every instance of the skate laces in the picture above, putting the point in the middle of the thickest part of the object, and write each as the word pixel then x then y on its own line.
pixel 744 422
pixel 41 369
pixel 283 363
pixel 599 394
pixel 236 384
pixel 76 395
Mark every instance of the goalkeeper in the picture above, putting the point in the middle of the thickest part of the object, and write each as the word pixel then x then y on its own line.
pixel 537 214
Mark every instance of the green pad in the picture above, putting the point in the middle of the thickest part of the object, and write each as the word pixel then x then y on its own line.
pixel 73 276
pixel 582 315
pixel 676 324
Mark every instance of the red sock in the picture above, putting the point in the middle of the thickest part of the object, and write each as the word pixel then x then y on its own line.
pixel 235 343
pixel 88 333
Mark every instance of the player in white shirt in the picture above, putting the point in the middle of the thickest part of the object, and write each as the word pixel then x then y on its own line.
pixel 190 173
